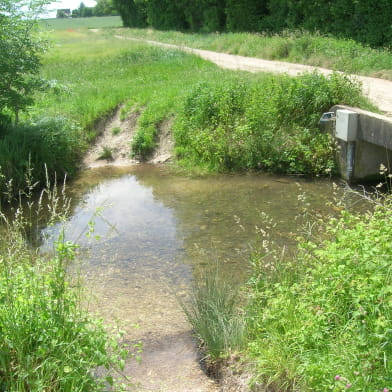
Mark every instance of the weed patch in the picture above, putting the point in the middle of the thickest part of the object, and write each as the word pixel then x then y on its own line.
pixel 213 314
pixel 322 321
pixel 47 341
pixel 51 146
pixel 268 124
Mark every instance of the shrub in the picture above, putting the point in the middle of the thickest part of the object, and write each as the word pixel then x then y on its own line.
pixel 50 145
pixel 270 125
pixel 322 321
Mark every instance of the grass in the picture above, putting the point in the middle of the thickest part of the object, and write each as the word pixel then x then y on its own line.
pixel 322 320
pixel 293 46
pixel 95 72
pixel 48 342
pixel 106 153
pixel 213 313
pixel 52 146
pixel 94 22
pixel 116 131
pixel 268 124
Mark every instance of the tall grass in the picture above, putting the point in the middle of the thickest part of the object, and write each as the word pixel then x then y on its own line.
pixel 52 146
pixel 213 313
pixel 268 124
pixel 48 342
pixel 322 321
pixel 293 46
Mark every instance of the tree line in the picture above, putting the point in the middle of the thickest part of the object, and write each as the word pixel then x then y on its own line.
pixel 367 21
pixel 102 8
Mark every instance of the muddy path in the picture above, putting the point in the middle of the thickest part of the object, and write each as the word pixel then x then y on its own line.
pixel 379 91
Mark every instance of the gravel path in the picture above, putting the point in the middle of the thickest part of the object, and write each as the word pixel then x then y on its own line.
pixel 379 91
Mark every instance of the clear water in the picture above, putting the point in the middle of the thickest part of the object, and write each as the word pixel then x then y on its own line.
pixel 158 232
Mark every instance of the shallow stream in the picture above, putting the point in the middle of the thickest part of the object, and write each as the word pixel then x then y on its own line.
pixel 158 232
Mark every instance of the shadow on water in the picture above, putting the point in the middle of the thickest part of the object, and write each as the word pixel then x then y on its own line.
pixel 158 232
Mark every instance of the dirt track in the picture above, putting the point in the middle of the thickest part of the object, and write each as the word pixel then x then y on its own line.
pixel 379 91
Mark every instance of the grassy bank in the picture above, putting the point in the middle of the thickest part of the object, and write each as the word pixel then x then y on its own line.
pixel 319 320
pixel 322 321
pixel 256 121
pixel 268 124
pixel 48 342
pixel 293 46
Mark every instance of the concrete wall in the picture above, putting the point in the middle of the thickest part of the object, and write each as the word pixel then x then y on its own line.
pixel 372 147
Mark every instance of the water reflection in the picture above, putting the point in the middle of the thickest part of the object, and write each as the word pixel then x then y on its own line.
pixel 161 230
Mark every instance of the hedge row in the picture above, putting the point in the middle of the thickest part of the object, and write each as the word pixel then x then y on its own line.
pixel 363 20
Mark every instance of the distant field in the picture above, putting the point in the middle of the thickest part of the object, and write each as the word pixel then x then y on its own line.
pixel 77 23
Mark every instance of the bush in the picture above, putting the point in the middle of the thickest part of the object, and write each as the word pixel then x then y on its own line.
pixel 322 321
pixel 270 125
pixel 50 146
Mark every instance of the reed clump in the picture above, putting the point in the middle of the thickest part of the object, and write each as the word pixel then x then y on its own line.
pixel 213 312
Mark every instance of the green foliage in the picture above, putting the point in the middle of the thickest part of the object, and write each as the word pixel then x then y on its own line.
pixel 270 125
pixel 51 146
pixel 166 14
pixel 132 12
pixel 322 321
pixel 213 314
pixel 104 8
pixel 295 46
pixel 116 131
pixel 204 15
pixel 361 20
pixel 47 341
pixel 106 153
pixel 20 50
pixel 244 15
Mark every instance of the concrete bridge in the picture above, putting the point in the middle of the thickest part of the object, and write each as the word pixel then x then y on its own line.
pixel 364 143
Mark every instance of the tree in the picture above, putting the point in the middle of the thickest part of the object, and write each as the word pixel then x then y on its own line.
pixel 133 13
pixel 20 50
pixel 104 7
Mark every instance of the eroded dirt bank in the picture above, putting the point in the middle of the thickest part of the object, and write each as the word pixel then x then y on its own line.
pixel 113 145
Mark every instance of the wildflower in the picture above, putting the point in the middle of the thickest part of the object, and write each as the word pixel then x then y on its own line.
pixel 337 377
pixel 348 385
pixel 385 390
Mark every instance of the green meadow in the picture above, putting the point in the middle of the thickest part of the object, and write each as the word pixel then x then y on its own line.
pixel 92 72
pixel 94 22
pixel 301 47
